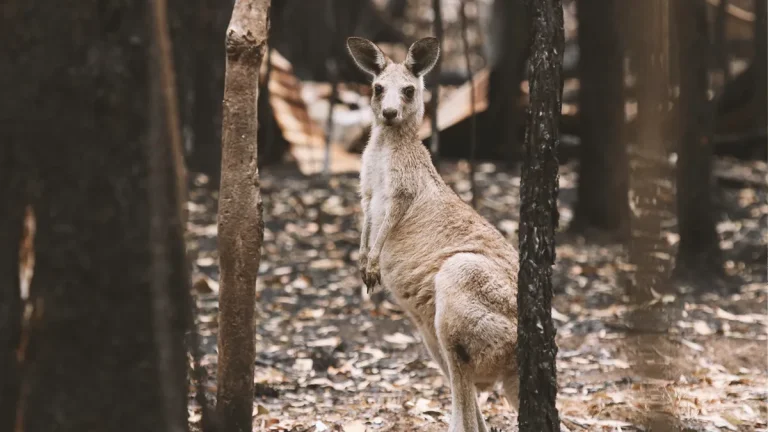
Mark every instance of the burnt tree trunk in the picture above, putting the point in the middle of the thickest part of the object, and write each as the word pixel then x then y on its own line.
pixel 504 116
pixel 536 347
pixel 499 126
pixel 80 112
pixel 304 38
pixel 698 253
pixel 198 30
pixel 719 40
pixel 603 166
pixel 241 227
pixel 743 105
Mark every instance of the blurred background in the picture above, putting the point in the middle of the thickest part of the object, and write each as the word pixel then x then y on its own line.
pixel 663 184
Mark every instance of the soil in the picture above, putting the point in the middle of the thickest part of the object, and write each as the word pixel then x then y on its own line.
pixel 331 357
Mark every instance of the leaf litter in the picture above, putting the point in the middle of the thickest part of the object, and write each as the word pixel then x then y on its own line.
pixel 331 357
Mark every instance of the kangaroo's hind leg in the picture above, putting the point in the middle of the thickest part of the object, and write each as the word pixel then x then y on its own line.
pixel 474 338
pixel 433 346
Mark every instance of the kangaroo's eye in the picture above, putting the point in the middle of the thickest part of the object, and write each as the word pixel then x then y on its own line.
pixel 378 89
pixel 408 91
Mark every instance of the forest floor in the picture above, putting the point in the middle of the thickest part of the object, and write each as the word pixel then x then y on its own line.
pixel 332 358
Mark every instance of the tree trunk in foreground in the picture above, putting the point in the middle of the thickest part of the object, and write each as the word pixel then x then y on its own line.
pixel 241 228
pixel 538 221
pixel 11 219
pixel 81 109
pixel 602 203
pixel 698 255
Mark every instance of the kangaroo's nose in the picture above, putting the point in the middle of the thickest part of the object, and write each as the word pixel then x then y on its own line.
pixel 389 113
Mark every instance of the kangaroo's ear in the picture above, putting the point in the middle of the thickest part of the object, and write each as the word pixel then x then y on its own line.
pixel 422 56
pixel 367 55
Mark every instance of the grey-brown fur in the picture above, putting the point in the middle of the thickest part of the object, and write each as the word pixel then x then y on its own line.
pixel 452 271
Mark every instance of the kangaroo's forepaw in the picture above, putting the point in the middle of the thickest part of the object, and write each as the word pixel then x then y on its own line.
pixel 371 274
pixel 362 266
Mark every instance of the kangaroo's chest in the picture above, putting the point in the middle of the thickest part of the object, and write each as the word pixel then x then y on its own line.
pixel 375 181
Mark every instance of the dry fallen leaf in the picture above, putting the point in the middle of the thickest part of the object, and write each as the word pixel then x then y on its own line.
pixel 399 339
pixel 326 342
pixel 354 426
pixel 303 364
pixel 702 328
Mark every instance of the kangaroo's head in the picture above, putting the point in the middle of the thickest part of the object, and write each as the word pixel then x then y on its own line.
pixel 398 88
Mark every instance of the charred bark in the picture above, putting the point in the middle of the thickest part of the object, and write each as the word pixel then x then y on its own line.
pixel 80 118
pixel 719 40
pixel 603 167
pixel 743 106
pixel 241 227
pixel 500 127
pixel 504 115
pixel 536 349
pixel 698 254
pixel 198 29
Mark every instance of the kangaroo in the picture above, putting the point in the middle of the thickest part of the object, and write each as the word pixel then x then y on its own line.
pixel 451 271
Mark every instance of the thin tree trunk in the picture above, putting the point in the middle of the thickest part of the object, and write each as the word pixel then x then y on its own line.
pixel 603 167
pixel 164 150
pixel 536 348
pixel 720 42
pixel 78 112
pixel 434 144
pixel 652 203
pixel 473 118
pixel 698 253
pixel 241 227
pixel 761 59
pixel 651 178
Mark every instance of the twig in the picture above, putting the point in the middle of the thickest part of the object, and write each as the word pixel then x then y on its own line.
pixel 434 145
pixel 473 119
pixel 268 130
pixel 719 41
pixel 334 76
pixel 330 67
